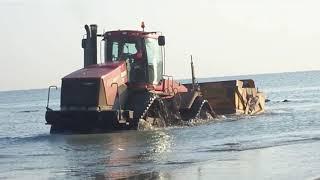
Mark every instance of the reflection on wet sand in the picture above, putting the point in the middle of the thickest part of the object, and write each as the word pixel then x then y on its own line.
pixel 117 155
pixel 142 175
pixel 130 152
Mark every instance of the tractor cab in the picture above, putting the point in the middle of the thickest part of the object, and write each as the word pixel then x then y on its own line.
pixel 142 52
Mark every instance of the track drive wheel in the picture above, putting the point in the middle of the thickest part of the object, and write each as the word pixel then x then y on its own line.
pixel 202 109
pixel 205 112
pixel 156 116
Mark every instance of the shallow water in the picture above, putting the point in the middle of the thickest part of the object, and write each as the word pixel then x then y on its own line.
pixel 283 143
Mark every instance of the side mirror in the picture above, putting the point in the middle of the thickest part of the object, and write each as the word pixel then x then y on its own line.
pixel 161 41
pixel 84 43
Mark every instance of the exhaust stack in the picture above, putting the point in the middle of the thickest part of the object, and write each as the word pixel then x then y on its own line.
pixel 89 45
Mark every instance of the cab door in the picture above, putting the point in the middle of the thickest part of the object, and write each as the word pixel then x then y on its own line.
pixel 155 62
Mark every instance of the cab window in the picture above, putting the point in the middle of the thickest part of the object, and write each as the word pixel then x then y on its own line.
pixel 155 64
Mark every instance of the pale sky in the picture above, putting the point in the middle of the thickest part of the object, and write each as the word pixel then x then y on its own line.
pixel 41 39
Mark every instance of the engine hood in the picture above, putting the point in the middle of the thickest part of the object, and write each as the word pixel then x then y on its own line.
pixel 98 70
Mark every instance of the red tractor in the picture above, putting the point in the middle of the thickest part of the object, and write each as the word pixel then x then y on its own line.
pixel 128 90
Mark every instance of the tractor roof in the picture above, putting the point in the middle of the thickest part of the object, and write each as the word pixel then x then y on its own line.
pixel 131 33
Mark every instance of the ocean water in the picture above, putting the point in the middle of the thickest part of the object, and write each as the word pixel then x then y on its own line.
pixel 282 143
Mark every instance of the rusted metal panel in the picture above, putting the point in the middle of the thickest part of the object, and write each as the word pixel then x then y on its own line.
pixel 235 96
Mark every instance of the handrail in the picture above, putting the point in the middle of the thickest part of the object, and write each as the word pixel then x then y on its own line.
pixel 48 99
pixel 118 99
pixel 168 76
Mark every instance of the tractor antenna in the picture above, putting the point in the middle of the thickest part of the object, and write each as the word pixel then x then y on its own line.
pixel 142 26
pixel 192 73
